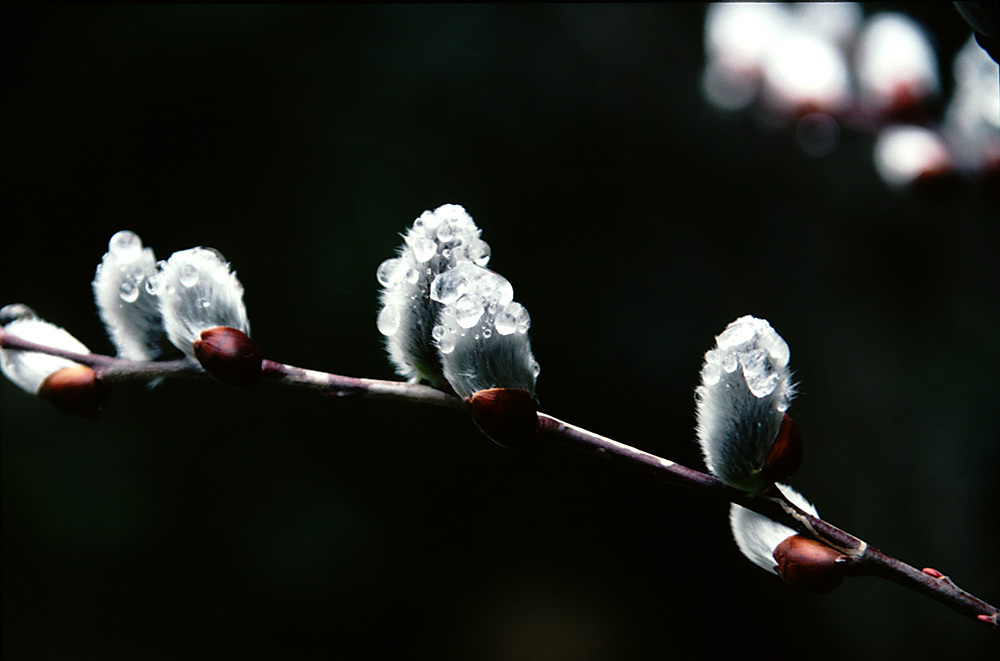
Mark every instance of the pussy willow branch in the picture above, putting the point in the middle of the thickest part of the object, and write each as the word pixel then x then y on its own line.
pixel 864 560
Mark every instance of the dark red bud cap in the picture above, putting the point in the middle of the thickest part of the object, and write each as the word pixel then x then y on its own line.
pixel 230 356
pixel 805 563
pixel 74 390
pixel 508 416
pixel 785 455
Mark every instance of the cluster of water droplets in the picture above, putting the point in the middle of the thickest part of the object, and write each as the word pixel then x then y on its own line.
pixel 438 297
pixel 751 345
pixel 476 301
pixel 438 242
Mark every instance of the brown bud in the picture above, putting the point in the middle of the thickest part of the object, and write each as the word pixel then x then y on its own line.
pixel 805 563
pixel 508 416
pixel 75 390
pixel 230 356
pixel 785 455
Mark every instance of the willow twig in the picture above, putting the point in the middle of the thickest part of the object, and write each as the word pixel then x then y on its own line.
pixel 863 559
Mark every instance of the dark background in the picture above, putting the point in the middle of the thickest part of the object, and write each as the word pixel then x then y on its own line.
pixel 199 521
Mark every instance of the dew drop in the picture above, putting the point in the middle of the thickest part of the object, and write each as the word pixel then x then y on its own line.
pixel 128 291
pixel 536 369
pixel 777 347
pixel 446 232
pixel 390 272
pixel 446 344
pixel 16 312
pixel 388 320
pixel 729 362
pixel 710 374
pixel 438 332
pixel 468 310
pixel 487 333
pixel 151 285
pixel 204 303
pixel 430 220
pixel 479 252
pixel 759 372
pixel 188 275
pixel 412 276
pixel 737 333
pixel 782 405
pixel 125 245
pixel 423 248
pixel 448 286
pixel 511 318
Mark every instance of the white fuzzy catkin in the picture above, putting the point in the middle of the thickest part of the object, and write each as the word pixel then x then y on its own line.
pixel 197 292
pixel 28 369
pixel 745 390
pixel 758 536
pixel 482 333
pixel 445 317
pixel 437 242
pixel 124 292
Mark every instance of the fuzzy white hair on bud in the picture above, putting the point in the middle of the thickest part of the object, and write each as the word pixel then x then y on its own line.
pixel 28 369
pixel 482 333
pixel 124 290
pixel 437 242
pixel 758 536
pixel 745 390
pixel 197 291
pixel 448 319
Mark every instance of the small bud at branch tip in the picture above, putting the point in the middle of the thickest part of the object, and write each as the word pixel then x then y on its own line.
pixel 508 416
pixel 230 356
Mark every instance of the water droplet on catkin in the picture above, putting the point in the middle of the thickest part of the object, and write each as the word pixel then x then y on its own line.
pixel 125 245
pixel 388 320
pixel 128 291
pixel 188 275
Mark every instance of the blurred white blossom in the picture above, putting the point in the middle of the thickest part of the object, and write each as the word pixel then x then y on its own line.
pixel 903 154
pixel 896 64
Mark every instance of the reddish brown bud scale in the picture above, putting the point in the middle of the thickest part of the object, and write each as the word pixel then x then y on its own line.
pixel 785 455
pixel 74 390
pixel 805 563
pixel 508 416
pixel 230 356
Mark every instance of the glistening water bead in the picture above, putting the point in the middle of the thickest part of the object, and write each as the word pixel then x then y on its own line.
pixel 125 245
pixel 388 320
pixel 128 291
pixel 188 275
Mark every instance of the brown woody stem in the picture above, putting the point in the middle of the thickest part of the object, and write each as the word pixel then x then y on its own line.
pixel 864 560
